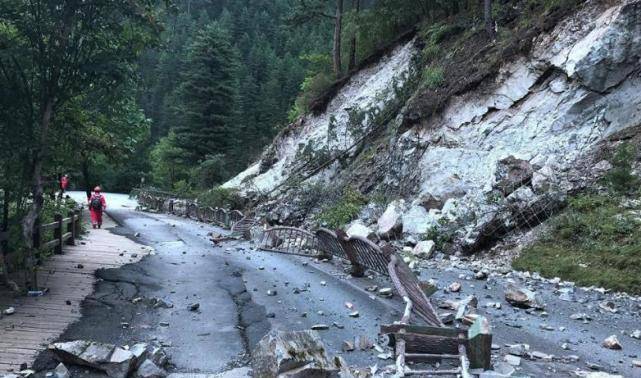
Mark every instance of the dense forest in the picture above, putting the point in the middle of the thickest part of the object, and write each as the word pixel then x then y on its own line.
pixel 179 95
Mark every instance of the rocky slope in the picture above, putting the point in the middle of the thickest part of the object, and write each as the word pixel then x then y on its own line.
pixel 498 157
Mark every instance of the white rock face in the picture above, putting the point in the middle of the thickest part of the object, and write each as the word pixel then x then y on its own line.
pixel 332 130
pixel 579 86
pixel 553 121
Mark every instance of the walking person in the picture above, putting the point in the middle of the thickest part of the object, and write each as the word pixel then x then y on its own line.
pixel 97 205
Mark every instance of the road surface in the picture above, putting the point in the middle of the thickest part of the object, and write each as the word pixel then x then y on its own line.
pixel 231 283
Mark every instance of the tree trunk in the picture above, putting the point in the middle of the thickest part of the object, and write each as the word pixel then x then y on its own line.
pixel 338 26
pixel 487 15
pixel 30 220
pixel 356 7
pixel 85 176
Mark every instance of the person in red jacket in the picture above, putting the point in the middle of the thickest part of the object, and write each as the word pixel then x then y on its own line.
pixel 64 184
pixel 97 205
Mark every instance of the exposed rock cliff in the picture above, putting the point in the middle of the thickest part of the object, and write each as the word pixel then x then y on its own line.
pixel 497 157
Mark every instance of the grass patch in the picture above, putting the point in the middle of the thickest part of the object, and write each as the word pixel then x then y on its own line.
pixel 595 241
pixel 433 77
pixel 344 210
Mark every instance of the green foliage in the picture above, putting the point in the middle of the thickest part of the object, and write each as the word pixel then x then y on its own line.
pixel 208 95
pixel 168 162
pixel 620 177
pixel 221 197
pixel 318 79
pixel 433 77
pixel 346 209
pixel 595 241
pixel 441 235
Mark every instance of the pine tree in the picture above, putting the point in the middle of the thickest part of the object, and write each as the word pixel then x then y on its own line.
pixel 208 95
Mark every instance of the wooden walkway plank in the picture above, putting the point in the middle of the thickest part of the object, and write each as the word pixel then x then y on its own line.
pixel 40 320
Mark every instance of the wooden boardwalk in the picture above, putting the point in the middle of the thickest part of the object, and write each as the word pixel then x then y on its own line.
pixel 40 320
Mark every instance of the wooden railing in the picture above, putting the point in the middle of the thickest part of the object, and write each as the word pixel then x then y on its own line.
pixel 46 237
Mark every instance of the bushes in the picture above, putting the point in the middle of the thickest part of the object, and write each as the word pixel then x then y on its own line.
pixel 620 178
pixel 221 197
pixel 344 210
pixel 595 241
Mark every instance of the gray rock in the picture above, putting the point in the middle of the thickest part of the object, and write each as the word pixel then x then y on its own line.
pixel 114 361
pixel 294 353
pixel 512 173
pixel 521 297
pixel 390 224
pixel 148 369
pixel 61 371
pixel 424 248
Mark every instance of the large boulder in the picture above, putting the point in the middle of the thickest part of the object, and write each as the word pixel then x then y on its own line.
pixel 390 224
pixel 292 354
pixel 417 220
pixel 512 173
pixel 357 228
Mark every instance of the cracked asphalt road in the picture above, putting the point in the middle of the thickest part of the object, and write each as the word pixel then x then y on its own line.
pixel 230 283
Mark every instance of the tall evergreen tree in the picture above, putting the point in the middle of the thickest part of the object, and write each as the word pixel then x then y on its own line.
pixel 208 95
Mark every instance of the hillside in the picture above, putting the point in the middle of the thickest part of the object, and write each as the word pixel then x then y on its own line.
pixel 461 147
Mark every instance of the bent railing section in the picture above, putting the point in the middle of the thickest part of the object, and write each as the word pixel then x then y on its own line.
pixel 290 240
pixel 328 243
pixel 242 228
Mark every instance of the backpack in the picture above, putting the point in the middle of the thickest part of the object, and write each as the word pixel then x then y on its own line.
pixel 96 203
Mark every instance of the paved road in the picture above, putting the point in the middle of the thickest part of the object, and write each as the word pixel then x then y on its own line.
pixel 230 283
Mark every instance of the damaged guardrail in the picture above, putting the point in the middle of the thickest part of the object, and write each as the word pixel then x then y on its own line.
pixel 416 340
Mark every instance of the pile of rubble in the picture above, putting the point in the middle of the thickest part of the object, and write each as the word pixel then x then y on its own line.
pixel 141 360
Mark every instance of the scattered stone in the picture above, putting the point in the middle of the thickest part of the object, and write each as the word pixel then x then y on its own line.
pixel 354 314
pixel 323 283
pixel 347 346
pixel 518 349
pixel 338 325
pixel 194 306
pixel 542 356
pixel 164 324
pixel 272 293
pixel 390 224
pixel 386 292
pixel 521 297
pixel 611 342
pixel 481 275
pixel 320 327
pixel 9 311
pixel 636 363
pixel 349 305
pixel 581 316
pixel 424 249
pixel 513 360
pixel 161 303
pixel 636 334
pixel 137 234
pixel 454 287
pixel 372 288
pixel 61 371
pixel 80 266
pixel 608 306
pixel 270 315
